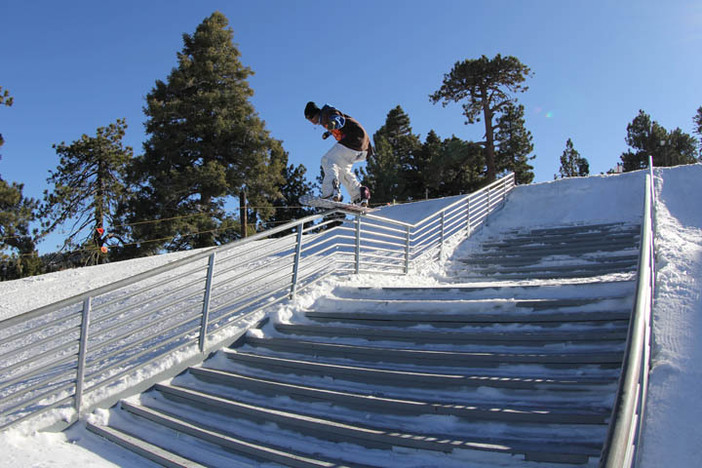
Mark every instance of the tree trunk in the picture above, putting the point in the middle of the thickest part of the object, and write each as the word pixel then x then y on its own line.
pixel 489 137
pixel 242 213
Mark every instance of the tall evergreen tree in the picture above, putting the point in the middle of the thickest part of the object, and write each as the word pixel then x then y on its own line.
pixel 383 172
pixel 426 157
pixel 287 205
pixel 18 256
pixel 514 144
pixel 206 145
pixel 457 168
pixel 648 138
pixel 88 185
pixel 697 120
pixel 572 164
pixel 486 86
pixel 391 174
pixel 6 100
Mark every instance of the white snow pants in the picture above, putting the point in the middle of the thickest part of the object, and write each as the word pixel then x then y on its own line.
pixel 337 164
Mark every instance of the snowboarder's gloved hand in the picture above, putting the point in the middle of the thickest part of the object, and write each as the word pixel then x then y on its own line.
pixel 326 135
pixel 336 122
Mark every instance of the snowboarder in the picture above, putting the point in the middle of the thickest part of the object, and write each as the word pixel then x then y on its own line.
pixel 353 146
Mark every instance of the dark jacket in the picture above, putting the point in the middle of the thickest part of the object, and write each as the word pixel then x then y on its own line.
pixel 350 133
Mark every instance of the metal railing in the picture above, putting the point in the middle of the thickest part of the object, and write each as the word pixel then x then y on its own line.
pixel 622 443
pixel 64 359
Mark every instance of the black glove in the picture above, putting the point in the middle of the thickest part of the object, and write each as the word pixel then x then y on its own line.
pixel 326 135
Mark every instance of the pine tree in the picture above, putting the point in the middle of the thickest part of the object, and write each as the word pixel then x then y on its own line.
pixel 426 156
pixel 382 173
pixel 18 256
pixel 88 185
pixel 6 100
pixel 287 205
pixel 648 138
pixel 514 143
pixel 457 168
pixel 392 173
pixel 697 120
pixel 572 164
pixel 486 87
pixel 206 145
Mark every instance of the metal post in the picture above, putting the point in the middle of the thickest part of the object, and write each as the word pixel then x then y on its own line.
pixel 358 243
pixel 206 303
pixel 296 264
pixel 407 249
pixel 82 351
pixel 441 242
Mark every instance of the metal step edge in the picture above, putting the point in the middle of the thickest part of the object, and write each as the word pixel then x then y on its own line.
pixel 558 267
pixel 437 357
pixel 561 238
pixel 493 261
pixel 468 318
pixel 411 305
pixel 227 442
pixel 565 250
pixel 380 437
pixel 142 448
pixel 402 378
pixel 458 277
pixel 514 338
pixel 538 243
pixel 582 227
pixel 368 402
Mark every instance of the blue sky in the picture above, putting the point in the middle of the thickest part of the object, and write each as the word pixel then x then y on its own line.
pixel 78 65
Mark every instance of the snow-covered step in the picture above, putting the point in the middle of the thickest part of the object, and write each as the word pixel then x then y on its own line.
pixel 567 252
pixel 577 229
pixel 393 405
pixel 140 446
pixel 393 376
pixel 247 450
pixel 438 357
pixel 496 259
pixel 540 313
pixel 237 426
pixel 486 337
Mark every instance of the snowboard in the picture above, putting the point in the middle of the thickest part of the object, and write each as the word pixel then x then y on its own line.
pixel 317 202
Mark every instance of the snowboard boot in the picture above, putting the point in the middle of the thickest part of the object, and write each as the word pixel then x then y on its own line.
pixel 364 198
pixel 336 192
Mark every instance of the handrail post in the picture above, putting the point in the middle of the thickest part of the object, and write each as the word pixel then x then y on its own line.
pixel 441 241
pixel 82 352
pixel 296 264
pixel 358 243
pixel 407 249
pixel 206 302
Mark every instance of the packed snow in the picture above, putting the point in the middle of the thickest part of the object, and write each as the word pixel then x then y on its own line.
pixel 672 432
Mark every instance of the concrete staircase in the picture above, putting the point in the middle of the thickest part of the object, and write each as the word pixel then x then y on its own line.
pixel 518 371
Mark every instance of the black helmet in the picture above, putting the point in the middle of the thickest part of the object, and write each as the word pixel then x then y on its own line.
pixel 311 110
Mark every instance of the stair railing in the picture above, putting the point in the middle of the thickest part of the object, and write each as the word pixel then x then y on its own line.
pixel 623 438
pixel 64 359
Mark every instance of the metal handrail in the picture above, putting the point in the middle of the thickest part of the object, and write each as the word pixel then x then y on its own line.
pixel 196 304
pixel 621 446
